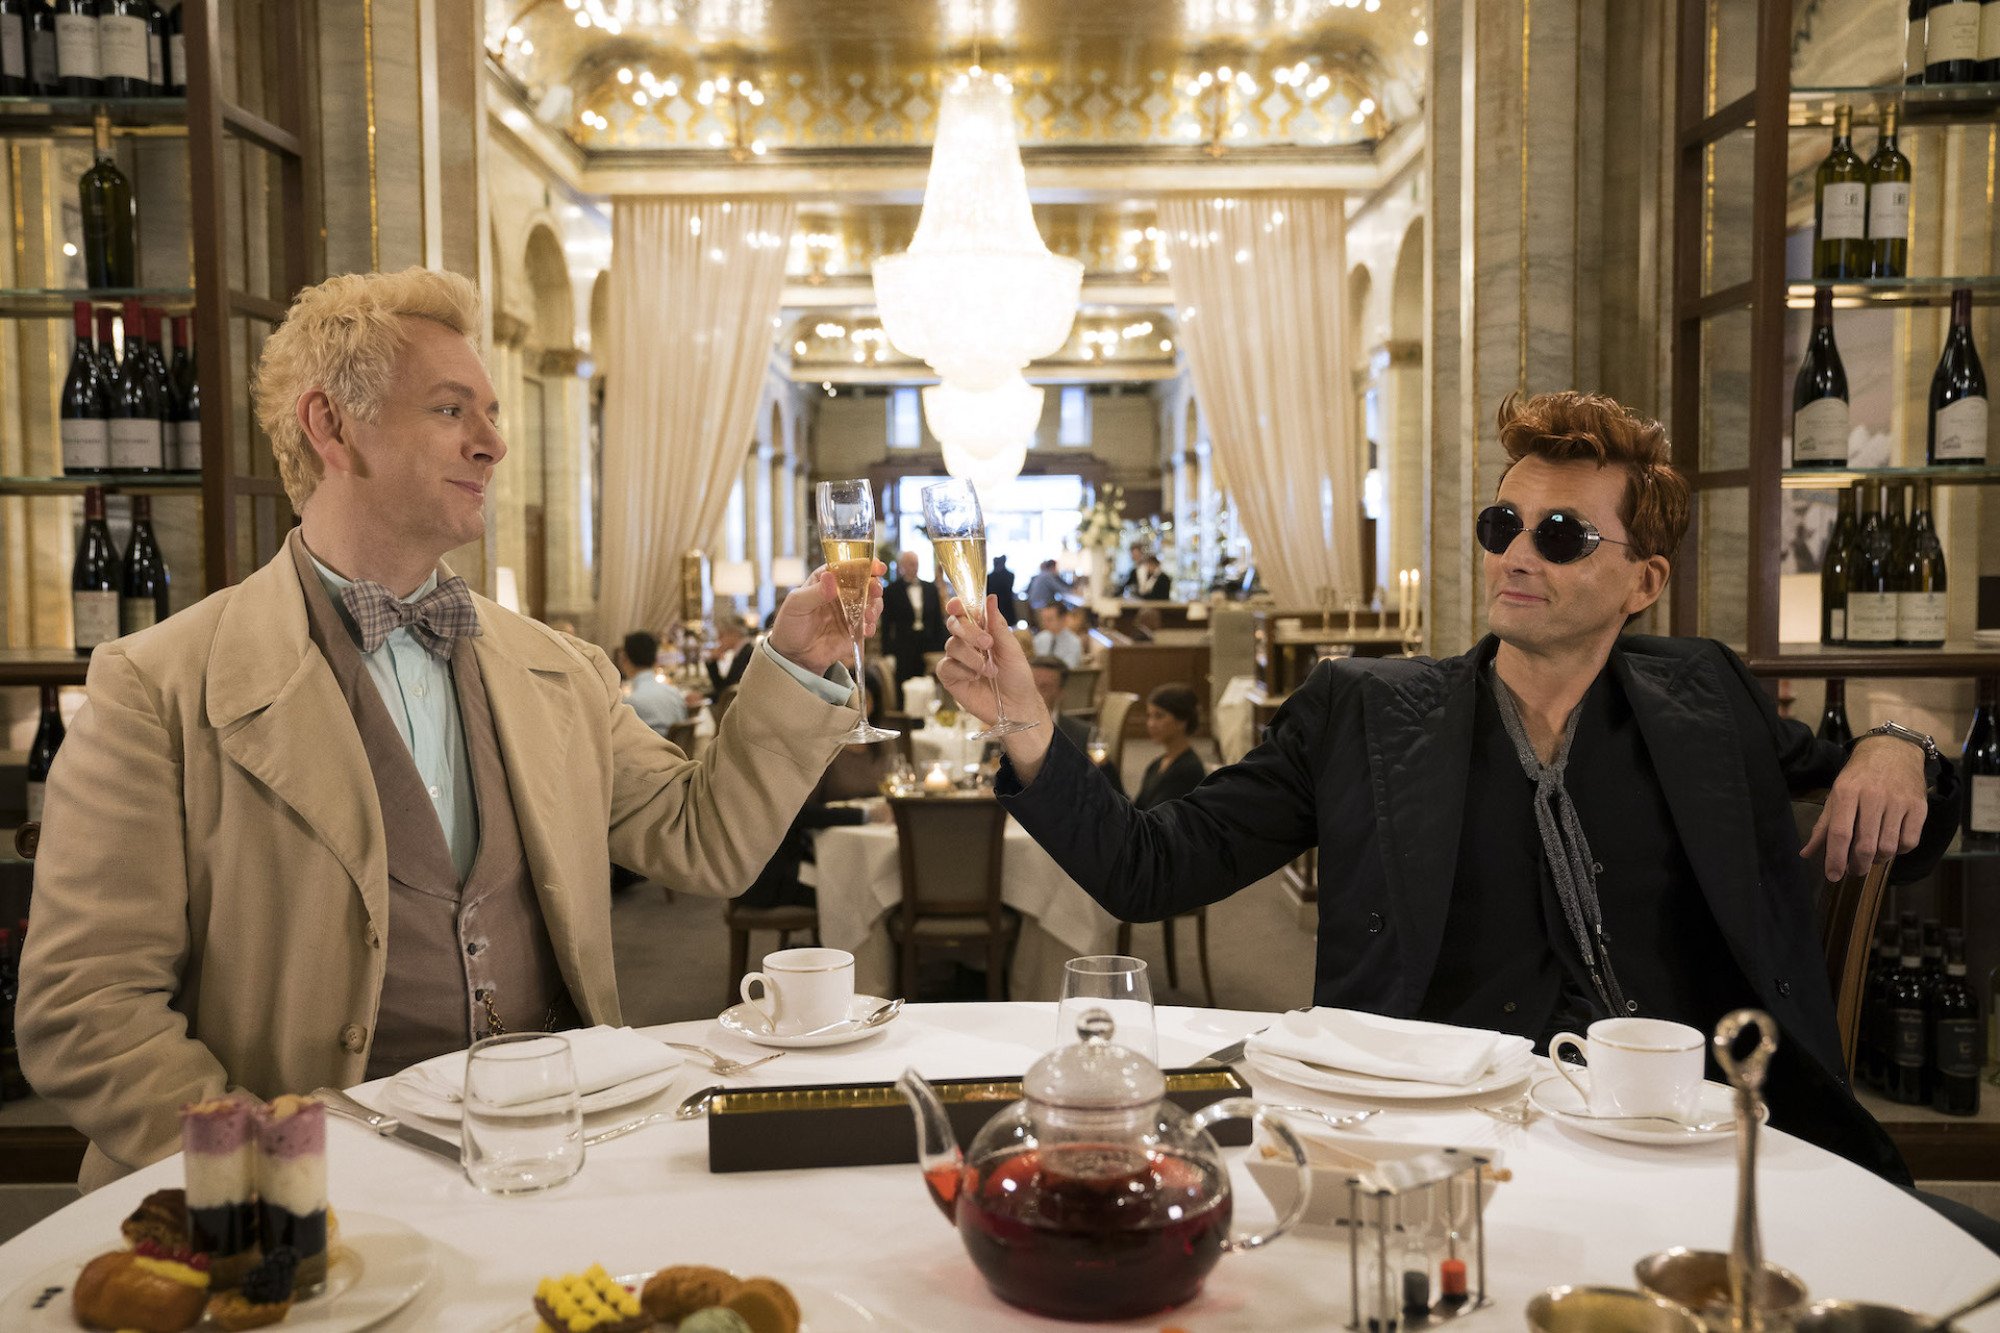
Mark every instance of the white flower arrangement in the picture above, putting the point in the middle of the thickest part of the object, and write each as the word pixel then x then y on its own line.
pixel 1103 524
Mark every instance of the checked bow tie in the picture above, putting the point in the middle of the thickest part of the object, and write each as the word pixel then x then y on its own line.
pixel 441 615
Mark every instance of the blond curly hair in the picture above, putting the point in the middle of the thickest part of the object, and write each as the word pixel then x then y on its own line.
pixel 343 336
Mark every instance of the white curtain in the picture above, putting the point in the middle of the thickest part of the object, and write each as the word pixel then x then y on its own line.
pixel 695 285
pixel 1261 281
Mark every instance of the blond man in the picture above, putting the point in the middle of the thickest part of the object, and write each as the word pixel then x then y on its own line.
pixel 347 814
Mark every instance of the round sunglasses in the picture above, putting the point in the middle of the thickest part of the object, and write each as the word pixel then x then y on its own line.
pixel 1560 539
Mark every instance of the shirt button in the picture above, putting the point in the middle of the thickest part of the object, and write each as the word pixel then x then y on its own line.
pixel 417 690
pixel 1508 1007
pixel 472 949
pixel 434 793
pixel 1375 923
pixel 354 1039
pixel 1784 987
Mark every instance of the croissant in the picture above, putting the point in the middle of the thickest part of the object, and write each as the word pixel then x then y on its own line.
pixel 124 1290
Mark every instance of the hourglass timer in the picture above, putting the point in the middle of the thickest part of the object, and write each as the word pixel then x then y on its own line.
pixel 1416 1240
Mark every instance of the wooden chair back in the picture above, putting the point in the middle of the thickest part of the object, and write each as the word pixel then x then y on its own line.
pixel 1846 912
pixel 1111 715
pixel 1079 694
pixel 950 850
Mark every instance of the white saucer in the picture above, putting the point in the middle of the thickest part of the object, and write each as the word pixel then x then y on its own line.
pixel 1322 1079
pixel 410 1098
pixel 748 1021
pixel 1555 1096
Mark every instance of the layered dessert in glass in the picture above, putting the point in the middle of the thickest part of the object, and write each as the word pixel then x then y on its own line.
pixel 219 1141
pixel 291 1184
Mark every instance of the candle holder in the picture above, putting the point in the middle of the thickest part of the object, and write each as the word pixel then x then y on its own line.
pixel 1416 1241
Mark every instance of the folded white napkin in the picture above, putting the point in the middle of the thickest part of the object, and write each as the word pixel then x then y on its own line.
pixel 604 1057
pixel 1399 1048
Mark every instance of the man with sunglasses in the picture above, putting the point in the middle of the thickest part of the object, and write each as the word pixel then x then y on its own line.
pixel 1563 824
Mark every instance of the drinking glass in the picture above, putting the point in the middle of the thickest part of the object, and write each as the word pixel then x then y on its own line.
pixel 847 537
pixel 958 534
pixel 523 1126
pixel 1096 748
pixel 1119 986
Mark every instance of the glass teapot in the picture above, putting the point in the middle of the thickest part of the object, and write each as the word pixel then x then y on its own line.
pixel 1093 1197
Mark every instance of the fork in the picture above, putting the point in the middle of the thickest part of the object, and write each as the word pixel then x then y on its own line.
pixel 722 1064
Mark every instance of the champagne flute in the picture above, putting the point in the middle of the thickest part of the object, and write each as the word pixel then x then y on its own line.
pixel 958 534
pixel 847 537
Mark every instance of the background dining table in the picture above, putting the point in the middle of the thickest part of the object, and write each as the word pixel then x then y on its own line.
pixel 1578 1209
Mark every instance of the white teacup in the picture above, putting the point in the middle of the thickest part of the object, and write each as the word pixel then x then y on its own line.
pixel 803 989
pixel 1638 1066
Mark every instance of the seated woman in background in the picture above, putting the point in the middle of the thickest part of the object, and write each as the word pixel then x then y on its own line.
pixel 857 771
pixel 1172 712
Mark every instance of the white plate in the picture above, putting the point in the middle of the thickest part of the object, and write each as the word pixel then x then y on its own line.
pixel 377 1266
pixel 407 1096
pixel 1322 1079
pixel 1554 1096
pixel 821 1310
pixel 748 1021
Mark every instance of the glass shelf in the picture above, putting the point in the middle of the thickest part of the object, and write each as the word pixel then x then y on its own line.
pixel 1946 103
pixel 35 117
pixel 1828 479
pixel 1854 293
pixel 117 483
pixel 56 302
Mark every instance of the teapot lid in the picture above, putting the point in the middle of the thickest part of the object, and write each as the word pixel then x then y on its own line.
pixel 1095 1073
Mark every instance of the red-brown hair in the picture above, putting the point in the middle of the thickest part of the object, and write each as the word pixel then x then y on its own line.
pixel 1571 426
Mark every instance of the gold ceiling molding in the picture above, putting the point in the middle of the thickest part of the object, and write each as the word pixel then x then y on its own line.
pixel 833 242
pixel 851 347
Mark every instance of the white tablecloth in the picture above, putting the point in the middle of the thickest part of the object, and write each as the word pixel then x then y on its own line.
pixel 858 879
pixel 1579 1209
pixel 952 746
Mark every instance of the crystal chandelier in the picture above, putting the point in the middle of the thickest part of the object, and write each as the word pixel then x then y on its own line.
pixel 984 423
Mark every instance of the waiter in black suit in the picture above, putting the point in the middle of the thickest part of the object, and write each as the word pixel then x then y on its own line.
pixel 912 619
pixel 732 650
pixel 1561 825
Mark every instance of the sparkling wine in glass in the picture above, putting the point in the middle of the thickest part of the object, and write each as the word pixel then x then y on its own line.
pixel 958 535
pixel 847 537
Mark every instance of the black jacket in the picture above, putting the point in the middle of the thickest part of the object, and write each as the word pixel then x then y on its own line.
pixel 901 639
pixel 1369 760
pixel 729 670
pixel 1000 584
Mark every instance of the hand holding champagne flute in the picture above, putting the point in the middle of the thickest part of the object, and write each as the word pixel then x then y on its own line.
pixel 847 537
pixel 957 530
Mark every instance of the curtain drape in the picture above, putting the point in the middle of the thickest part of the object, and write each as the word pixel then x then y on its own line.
pixel 1261 282
pixel 695 286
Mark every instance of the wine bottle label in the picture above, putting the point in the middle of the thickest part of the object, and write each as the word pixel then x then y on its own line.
pixel 38 796
pixel 1906 1037
pixel 1920 617
pixel 1982 812
pixel 136 443
pixel 1889 210
pixel 1989 31
pixel 1913 48
pixel 177 60
pixel 137 613
pixel 1843 211
pixel 76 46
pixel 1871 617
pixel 13 46
pixel 1951 32
pixel 1819 432
pixel 121 48
pixel 1957 1047
pixel 187 446
pixel 96 616
pixel 1961 431
pixel 86 444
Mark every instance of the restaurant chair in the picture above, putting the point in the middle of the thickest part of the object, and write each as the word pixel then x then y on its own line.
pixel 786 921
pixel 1079 694
pixel 1200 915
pixel 681 736
pixel 1846 913
pixel 950 851
pixel 1111 718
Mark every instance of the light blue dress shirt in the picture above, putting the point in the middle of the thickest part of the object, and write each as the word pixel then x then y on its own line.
pixel 658 703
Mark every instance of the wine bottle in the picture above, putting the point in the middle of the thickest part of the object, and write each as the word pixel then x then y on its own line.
pixel 121 48
pixel 93 579
pixel 1979 766
pixel 1871 593
pixel 1920 595
pixel 1989 41
pixel 1872 1055
pixel 177 61
pixel 1888 204
pixel 86 428
pixel 15 23
pixel 1903 1075
pixel 107 355
pixel 142 591
pixel 187 398
pixel 1833 718
pixel 42 754
pixel 137 441
pixel 1819 395
pixel 1958 392
pixel 156 48
pixel 1840 206
pixel 1834 572
pixel 1951 41
pixel 44 78
pixel 1954 1035
pixel 1933 943
pixel 1913 41
pixel 108 217
pixel 76 49
pixel 153 322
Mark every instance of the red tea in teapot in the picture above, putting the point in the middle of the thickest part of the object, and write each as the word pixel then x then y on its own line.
pixel 1090 1231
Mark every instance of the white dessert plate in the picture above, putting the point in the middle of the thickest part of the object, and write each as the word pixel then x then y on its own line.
pixel 1555 1097
pixel 377 1266
pixel 821 1310
pixel 408 1097
pixel 1321 1078
pixel 748 1021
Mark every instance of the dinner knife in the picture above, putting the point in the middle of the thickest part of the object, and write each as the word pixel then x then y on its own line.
pixel 386 1126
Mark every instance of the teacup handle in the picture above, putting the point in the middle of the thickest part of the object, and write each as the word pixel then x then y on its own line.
pixel 1267 1118
pixel 767 1005
pixel 1556 1044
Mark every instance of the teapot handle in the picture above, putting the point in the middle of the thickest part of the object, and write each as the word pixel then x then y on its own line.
pixel 1269 1119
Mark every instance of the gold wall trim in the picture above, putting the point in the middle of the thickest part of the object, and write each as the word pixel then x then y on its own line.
pixel 368 84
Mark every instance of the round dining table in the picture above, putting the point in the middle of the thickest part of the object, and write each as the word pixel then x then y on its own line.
pixel 868 1248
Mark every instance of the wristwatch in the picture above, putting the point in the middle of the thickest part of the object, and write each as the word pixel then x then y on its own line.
pixel 1917 738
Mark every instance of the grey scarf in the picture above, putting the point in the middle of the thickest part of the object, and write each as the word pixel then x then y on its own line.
pixel 1564 846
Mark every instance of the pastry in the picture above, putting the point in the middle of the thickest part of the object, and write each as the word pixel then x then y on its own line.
pixel 291 1183
pixel 264 1298
pixel 589 1302
pixel 765 1304
pixel 715 1319
pixel 148 1290
pixel 677 1292
pixel 217 1139
pixel 161 1217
